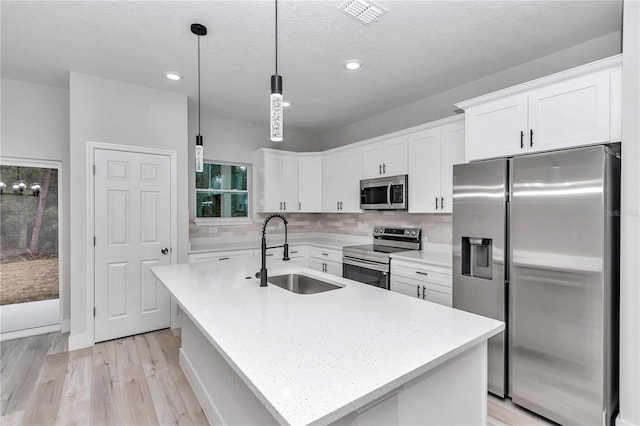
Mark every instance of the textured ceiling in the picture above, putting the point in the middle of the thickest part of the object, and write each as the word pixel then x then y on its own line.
pixel 417 49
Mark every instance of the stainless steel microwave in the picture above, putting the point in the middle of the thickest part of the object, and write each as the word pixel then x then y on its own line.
pixel 385 193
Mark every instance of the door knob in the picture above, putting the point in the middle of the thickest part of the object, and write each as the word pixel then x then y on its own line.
pixel 164 250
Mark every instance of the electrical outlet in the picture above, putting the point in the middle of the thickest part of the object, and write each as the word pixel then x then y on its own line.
pixel 213 230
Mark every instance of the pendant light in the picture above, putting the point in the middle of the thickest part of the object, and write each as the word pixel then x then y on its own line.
pixel 199 30
pixel 276 96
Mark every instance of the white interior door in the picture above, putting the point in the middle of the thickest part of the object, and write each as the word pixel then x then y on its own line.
pixel 132 230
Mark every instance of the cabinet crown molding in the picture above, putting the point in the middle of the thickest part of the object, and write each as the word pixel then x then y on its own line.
pixel 612 63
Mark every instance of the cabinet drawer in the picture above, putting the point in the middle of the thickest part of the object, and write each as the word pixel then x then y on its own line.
pixel 423 273
pixel 326 254
pixel 219 256
pixel 277 252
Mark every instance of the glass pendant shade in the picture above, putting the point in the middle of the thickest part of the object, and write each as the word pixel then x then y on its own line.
pixel 199 156
pixel 276 108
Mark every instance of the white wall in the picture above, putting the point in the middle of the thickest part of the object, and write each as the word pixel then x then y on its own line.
pixel 442 105
pixel 630 221
pixel 35 125
pixel 109 111
pixel 231 140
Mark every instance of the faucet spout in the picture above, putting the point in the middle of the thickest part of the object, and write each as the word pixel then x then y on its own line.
pixel 263 247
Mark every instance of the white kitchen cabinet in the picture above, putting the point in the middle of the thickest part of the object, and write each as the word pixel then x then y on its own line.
pixel 310 183
pixel 573 108
pixel 276 178
pixel 326 260
pixel 427 282
pixel 432 154
pixel 342 172
pixel 219 256
pixel 385 158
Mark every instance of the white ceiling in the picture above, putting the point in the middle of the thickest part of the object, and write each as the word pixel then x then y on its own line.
pixel 419 48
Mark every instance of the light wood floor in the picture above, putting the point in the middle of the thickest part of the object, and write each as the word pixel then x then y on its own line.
pixel 134 381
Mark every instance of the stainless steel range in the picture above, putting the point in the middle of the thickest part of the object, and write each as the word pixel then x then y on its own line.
pixel 369 263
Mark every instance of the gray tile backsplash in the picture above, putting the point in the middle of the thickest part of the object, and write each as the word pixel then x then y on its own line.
pixel 436 228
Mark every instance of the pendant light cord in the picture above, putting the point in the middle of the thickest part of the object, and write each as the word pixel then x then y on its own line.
pixel 276 37
pixel 198 84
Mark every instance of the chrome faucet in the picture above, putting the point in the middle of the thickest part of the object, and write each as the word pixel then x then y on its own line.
pixel 263 270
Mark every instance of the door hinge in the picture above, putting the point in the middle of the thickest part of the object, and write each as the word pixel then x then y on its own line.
pixel 94 169
pixel 94 241
pixel 94 312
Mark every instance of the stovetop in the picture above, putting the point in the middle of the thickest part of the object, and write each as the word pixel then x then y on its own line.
pixel 386 241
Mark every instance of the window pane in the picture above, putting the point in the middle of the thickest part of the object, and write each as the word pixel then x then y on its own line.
pixel 218 176
pixel 217 204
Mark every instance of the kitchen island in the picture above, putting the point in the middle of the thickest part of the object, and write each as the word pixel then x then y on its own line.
pixel 354 355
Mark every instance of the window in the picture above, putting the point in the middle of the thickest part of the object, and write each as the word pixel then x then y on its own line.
pixel 222 193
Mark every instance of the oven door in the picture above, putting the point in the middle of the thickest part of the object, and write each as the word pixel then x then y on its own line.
pixel 367 272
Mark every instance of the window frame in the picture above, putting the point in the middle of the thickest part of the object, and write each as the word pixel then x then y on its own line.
pixel 208 221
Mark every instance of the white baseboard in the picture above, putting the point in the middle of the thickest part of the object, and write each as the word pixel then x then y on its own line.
pixel 80 341
pixel 29 332
pixel 622 422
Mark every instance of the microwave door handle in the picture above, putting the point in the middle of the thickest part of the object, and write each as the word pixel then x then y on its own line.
pixel 389 194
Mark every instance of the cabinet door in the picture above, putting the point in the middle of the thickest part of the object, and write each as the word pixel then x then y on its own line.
pixel 289 183
pixel 310 183
pixel 451 152
pixel 372 159
pixel 334 268
pixel 570 113
pixel 424 171
pixel 439 294
pixel 494 129
pixel 331 184
pixel 395 157
pixel 272 195
pixel 406 286
pixel 351 174
pixel 316 264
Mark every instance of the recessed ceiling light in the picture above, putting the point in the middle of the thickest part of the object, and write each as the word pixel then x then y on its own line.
pixel 173 75
pixel 352 64
pixel 286 103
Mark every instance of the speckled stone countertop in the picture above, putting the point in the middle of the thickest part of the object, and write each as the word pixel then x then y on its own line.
pixel 311 359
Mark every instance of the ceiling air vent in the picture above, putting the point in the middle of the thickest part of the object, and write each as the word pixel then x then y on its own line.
pixel 365 12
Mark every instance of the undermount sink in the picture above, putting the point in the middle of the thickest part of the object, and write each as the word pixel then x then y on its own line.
pixel 301 284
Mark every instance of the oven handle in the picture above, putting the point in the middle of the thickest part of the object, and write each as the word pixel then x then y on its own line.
pixel 366 264
pixel 389 194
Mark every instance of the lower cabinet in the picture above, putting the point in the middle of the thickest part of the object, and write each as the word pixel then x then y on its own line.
pixel 427 282
pixel 297 255
pixel 217 256
pixel 326 260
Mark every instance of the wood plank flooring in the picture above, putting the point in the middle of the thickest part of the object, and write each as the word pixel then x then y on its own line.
pixel 131 381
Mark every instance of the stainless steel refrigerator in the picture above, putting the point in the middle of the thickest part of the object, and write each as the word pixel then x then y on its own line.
pixel 535 244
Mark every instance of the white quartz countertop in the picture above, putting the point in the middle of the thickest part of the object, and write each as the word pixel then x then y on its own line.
pixel 314 358
pixel 431 257
pixel 277 239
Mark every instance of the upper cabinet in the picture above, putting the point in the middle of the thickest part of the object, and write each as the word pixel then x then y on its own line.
pixel 342 171
pixel 385 158
pixel 432 154
pixel 572 108
pixel 310 183
pixel 276 179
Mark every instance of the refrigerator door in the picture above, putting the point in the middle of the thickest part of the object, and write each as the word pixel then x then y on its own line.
pixel 479 217
pixel 559 283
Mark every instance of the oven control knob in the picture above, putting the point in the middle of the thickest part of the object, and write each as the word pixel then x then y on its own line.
pixel 406 232
pixel 413 233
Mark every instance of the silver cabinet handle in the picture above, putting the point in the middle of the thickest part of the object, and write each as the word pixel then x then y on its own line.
pixel 340 205
pixel 521 139
pixel 531 137
pixel 424 291
pixel 337 205
pixel 268 254
pixel 223 258
pixel 299 205
pixel 422 273
pixel 280 205
pixel 165 250
pixel 325 254
pixel 436 203
pixel 294 251
pixel 285 205
pixel 418 288
pixel 379 169
pixel 384 169
pixel 441 203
